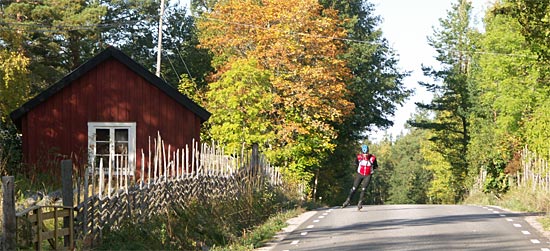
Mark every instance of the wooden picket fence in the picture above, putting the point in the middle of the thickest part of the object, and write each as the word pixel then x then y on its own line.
pixel 169 177
pixel 534 173
pixel 104 196
pixel 162 163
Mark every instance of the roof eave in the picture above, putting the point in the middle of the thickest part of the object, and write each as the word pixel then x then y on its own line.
pixel 109 52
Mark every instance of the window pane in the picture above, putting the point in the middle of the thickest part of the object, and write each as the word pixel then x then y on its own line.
pixel 113 144
pixel 121 134
pixel 102 135
pixel 105 160
pixel 121 148
pixel 102 148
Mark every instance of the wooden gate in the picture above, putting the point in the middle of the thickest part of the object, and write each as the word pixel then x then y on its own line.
pixel 53 224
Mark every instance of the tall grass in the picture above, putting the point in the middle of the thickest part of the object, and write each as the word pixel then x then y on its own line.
pixel 261 234
pixel 522 199
pixel 517 199
pixel 207 224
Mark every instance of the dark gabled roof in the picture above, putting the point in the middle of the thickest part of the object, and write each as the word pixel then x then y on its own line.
pixel 110 52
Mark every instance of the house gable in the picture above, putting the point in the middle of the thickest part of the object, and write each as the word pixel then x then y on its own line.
pixel 108 92
pixel 108 53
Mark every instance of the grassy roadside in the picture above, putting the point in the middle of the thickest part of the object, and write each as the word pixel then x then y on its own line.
pixel 197 233
pixel 518 199
pixel 261 234
pixel 233 223
pixel 238 223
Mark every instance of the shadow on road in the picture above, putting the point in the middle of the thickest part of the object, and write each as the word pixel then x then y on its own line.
pixel 371 237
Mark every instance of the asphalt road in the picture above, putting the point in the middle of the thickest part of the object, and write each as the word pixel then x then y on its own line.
pixel 411 227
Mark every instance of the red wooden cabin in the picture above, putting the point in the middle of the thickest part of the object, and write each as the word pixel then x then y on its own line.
pixel 109 106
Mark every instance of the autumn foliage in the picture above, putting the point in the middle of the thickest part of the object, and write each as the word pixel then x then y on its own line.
pixel 299 44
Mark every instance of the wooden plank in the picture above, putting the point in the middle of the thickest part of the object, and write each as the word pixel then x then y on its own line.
pixel 149 164
pixel 53 234
pixel 177 156
pixel 165 173
pixel 86 194
pixel 101 178
pixel 8 209
pixel 110 175
pixel 142 169
pixel 39 230
pixel 71 231
pixel 55 214
pixel 67 188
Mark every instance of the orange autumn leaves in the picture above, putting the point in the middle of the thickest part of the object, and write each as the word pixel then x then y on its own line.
pixel 298 43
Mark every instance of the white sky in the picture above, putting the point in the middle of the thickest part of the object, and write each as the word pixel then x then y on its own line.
pixel 406 24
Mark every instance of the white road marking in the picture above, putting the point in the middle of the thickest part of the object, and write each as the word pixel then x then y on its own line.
pixel 303 233
pixel 509 220
pixel 294 242
pixel 315 221
pixel 525 232
pixel 535 241
pixel 545 249
pixel 517 225
pixel 321 216
pixel 325 214
pixel 310 226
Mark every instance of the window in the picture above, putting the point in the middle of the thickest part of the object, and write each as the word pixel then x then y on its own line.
pixel 114 144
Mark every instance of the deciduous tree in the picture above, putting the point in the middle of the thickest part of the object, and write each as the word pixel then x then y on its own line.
pixel 507 92
pixel 242 101
pixel 14 83
pixel 299 43
pixel 376 90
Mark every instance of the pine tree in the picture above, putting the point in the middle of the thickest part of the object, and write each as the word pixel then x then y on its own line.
pixel 454 43
pixel 57 36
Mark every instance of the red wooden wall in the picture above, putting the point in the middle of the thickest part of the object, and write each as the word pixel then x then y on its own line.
pixel 110 92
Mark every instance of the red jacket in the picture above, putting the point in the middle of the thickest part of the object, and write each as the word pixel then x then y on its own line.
pixel 366 163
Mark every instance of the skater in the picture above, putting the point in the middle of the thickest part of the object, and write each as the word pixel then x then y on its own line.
pixel 366 163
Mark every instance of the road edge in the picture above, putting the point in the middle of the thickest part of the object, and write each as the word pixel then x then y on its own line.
pixel 532 220
pixel 293 223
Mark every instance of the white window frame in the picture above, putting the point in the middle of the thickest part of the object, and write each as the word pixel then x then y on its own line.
pixel 131 126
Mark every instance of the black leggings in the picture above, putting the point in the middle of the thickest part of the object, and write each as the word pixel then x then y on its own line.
pixel 364 185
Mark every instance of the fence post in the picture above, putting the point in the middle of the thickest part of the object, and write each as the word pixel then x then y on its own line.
pixel 8 208
pixel 67 189
pixel 255 159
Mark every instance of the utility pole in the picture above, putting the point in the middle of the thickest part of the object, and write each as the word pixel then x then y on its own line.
pixel 159 46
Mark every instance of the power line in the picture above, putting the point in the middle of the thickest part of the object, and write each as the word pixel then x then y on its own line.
pixel 493 53
pixel 347 39
pixel 184 64
pixel 63 27
pixel 72 27
pixel 504 54
pixel 173 68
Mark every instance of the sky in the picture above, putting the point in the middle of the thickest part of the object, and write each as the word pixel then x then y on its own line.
pixel 406 24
